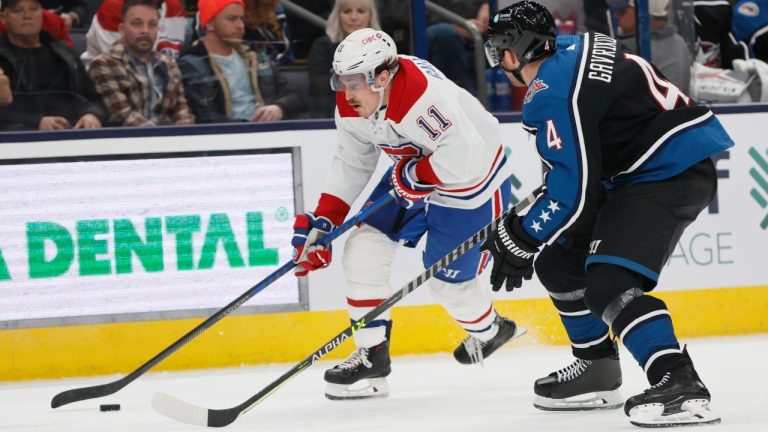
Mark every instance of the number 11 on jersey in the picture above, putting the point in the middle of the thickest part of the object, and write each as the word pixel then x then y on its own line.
pixel 442 123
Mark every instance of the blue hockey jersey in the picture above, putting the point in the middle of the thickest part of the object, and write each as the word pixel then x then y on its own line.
pixel 604 119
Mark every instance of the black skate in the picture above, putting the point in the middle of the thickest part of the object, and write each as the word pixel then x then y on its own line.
pixel 583 385
pixel 473 350
pixel 679 399
pixel 361 376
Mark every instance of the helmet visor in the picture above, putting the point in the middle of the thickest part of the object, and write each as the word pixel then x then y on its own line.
pixel 492 54
pixel 342 83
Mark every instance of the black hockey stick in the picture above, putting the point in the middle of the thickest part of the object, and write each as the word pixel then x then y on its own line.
pixel 79 394
pixel 179 410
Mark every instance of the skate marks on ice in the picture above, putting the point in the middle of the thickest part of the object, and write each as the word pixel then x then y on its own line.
pixel 430 392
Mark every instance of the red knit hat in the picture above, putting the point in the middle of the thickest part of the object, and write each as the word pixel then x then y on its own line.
pixel 210 8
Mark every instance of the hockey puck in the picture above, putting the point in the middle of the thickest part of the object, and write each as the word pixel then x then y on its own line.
pixel 109 407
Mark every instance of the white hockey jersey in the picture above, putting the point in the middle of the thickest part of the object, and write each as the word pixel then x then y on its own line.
pixel 430 118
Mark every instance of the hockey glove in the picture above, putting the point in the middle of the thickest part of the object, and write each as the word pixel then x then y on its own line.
pixel 307 230
pixel 409 192
pixel 512 255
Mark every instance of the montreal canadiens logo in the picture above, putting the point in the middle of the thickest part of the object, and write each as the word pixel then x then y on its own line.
pixel 399 151
pixel 536 86
pixel 749 9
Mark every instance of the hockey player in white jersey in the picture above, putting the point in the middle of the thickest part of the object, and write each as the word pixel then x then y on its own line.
pixel 450 178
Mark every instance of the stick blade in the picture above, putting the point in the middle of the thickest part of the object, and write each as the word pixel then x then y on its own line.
pixel 177 409
pixel 85 393
pixel 65 397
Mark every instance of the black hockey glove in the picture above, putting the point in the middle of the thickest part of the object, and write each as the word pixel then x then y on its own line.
pixel 513 252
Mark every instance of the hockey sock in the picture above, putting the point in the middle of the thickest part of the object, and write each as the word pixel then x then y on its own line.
pixel 484 327
pixel 645 328
pixel 588 333
pixel 469 304
pixel 375 331
pixel 642 322
pixel 562 273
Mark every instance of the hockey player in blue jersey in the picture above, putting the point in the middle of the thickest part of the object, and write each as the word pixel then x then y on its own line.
pixel 629 168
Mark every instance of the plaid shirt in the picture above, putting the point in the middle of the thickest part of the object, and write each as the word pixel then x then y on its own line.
pixel 125 90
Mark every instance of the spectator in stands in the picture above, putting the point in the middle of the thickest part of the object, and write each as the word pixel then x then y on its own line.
pixel 450 46
pixel 6 96
pixel 225 80
pixel 395 18
pixel 265 29
pixel 104 29
pixel 669 52
pixel 72 12
pixel 50 87
pixel 52 23
pixel 346 17
pixel 140 86
pixel 302 35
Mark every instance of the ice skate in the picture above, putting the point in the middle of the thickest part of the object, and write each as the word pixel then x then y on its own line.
pixel 361 375
pixel 678 399
pixel 583 385
pixel 473 350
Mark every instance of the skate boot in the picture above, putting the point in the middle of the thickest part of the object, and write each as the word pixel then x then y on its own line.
pixel 473 350
pixel 361 375
pixel 678 399
pixel 583 385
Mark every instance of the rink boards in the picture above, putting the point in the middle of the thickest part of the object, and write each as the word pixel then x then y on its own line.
pixel 96 278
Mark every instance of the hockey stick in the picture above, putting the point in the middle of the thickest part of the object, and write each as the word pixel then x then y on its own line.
pixel 179 410
pixel 79 394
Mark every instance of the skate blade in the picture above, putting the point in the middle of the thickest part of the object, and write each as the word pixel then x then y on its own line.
pixel 694 412
pixel 371 388
pixel 604 400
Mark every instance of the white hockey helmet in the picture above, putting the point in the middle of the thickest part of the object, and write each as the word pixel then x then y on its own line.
pixel 363 52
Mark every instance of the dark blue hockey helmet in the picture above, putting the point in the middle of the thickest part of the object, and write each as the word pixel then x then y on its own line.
pixel 525 28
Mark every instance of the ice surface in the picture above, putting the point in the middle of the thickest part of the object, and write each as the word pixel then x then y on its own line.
pixel 428 393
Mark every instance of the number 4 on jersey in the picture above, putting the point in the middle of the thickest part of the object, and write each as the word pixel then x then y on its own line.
pixel 553 139
pixel 666 94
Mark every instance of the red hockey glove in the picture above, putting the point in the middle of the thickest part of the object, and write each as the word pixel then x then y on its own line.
pixel 408 190
pixel 307 230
